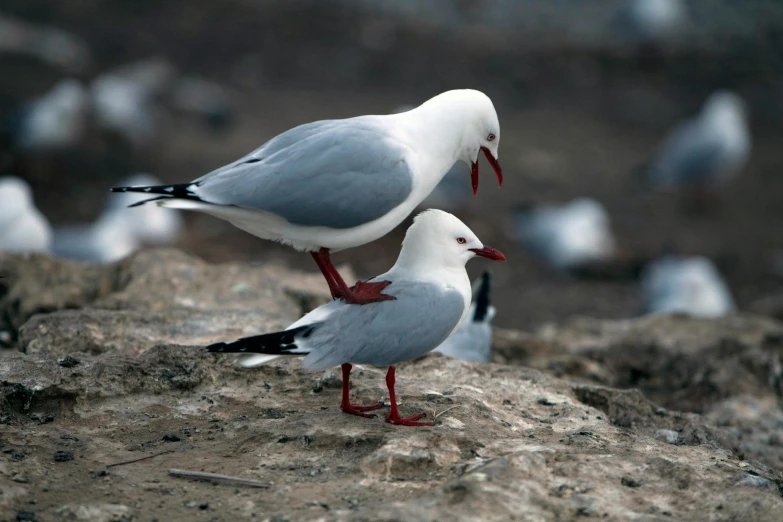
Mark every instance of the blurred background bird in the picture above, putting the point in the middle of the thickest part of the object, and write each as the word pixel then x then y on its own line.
pixel 23 228
pixel 566 236
pixel 472 340
pixel 707 150
pixel 687 285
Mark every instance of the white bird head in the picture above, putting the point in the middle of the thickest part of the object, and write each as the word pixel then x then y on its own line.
pixel 437 240
pixel 472 112
pixel 724 106
pixel 68 95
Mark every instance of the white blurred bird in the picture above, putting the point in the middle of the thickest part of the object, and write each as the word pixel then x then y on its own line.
pixel 646 21
pixel 119 230
pixel 124 100
pixel 472 340
pixel 204 99
pixel 706 150
pixel 689 285
pixel 56 120
pixel 48 44
pixel 22 226
pixel 567 236
pixel 108 239
pixel 149 223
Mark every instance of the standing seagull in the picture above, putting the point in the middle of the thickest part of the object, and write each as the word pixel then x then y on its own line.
pixel 23 228
pixel 472 340
pixel 706 150
pixel 432 295
pixel 336 184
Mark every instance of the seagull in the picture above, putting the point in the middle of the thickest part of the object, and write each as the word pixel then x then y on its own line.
pixel 108 239
pixel 204 99
pixel 118 231
pixel 472 340
pixel 124 99
pixel 651 20
pixel 689 285
pixel 706 150
pixel 22 226
pixel 567 236
pixel 432 292
pixel 336 184
pixel 56 120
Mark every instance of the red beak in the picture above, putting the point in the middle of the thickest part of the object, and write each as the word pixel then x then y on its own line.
pixel 490 253
pixel 495 165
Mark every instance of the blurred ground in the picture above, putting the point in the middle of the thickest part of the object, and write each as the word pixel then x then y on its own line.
pixel 578 113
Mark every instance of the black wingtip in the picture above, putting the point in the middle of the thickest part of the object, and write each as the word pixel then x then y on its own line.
pixel 216 348
pixel 482 298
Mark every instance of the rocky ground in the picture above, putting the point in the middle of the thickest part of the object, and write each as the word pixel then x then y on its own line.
pixel 105 389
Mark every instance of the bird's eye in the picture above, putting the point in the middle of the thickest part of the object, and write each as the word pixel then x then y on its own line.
pixel 490 137
pixel 461 240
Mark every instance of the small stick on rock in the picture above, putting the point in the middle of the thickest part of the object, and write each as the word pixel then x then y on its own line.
pixel 447 410
pixel 200 475
pixel 138 460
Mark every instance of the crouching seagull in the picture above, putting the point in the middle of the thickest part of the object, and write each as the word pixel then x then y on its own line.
pixel 336 184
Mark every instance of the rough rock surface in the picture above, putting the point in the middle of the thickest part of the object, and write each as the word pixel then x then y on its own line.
pixel 110 373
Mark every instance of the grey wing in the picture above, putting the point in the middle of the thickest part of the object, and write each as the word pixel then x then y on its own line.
pixel 386 333
pixel 338 174
pixel 472 341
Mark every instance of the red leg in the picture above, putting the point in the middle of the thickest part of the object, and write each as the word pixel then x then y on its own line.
pixel 394 415
pixel 361 293
pixel 346 406
pixel 334 289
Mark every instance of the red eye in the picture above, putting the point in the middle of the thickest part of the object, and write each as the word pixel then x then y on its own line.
pixel 490 137
pixel 461 240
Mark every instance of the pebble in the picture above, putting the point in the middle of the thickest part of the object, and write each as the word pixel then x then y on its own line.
pixel 630 483
pixel 63 456
pixel 670 436
pixel 68 362
pixel 754 482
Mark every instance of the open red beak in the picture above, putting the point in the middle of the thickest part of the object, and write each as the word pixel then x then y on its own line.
pixel 495 165
pixel 490 253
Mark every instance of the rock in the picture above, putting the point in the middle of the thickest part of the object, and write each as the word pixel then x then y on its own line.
pixel 149 298
pixel 670 436
pixel 754 481
pixel 556 443
pixel 63 456
pixel 690 363
pixel 630 483
pixel 93 512
pixel 625 408
pixel 68 362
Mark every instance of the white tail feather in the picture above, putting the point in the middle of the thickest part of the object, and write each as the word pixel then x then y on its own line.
pixel 248 361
